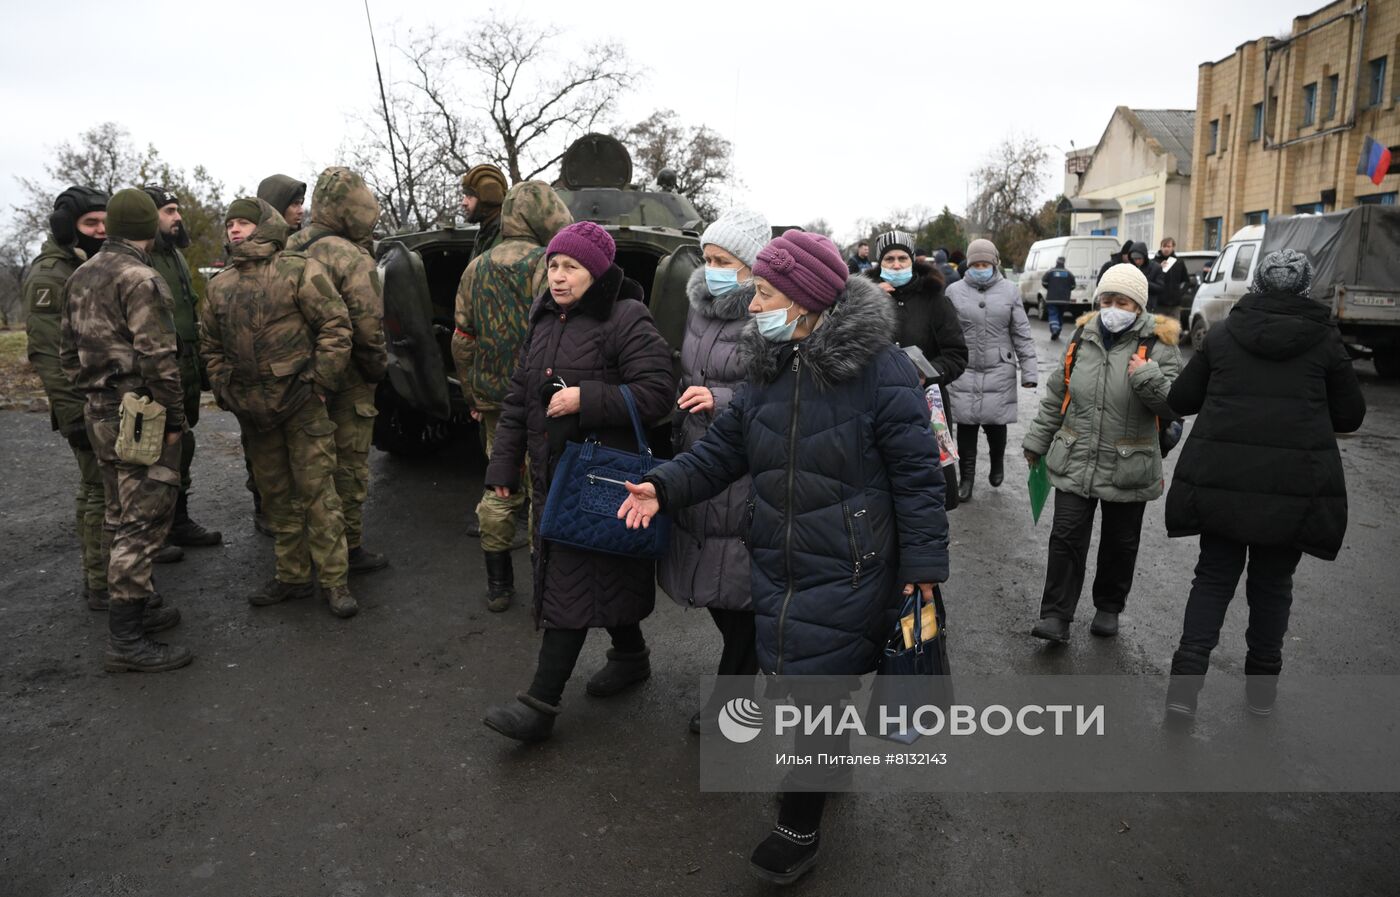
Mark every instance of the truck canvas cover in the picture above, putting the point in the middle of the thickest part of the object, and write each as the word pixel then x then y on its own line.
pixel 1357 247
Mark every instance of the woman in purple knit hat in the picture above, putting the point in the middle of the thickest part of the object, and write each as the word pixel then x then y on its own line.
pixel 585 340
pixel 846 515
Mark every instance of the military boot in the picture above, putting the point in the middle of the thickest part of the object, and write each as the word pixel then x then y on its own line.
pixel 342 603
pixel 169 553
pixel 184 531
pixel 96 598
pixel 159 618
pixel 275 591
pixel 528 719
pixel 500 581
pixel 129 649
pixel 362 560
pixel 623 669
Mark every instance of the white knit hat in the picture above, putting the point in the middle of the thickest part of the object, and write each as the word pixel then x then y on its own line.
pixel 1125 280
pixel 740 232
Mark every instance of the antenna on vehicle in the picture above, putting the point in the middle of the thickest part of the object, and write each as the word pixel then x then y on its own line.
pixel 388 122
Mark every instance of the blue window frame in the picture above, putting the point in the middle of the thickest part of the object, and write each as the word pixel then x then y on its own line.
pixel 1310 103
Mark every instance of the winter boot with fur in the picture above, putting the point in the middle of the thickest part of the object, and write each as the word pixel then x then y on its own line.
pixel 526 719
pixel 623 669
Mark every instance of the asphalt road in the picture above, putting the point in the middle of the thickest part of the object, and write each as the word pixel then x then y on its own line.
pixel 302 755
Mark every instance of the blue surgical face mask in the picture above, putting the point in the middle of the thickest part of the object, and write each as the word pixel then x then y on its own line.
pixel 981 276
pixel 721 281
pixel 897 278
pixel 773 325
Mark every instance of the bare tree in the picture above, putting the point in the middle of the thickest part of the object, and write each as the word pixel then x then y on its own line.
pixel 818 226
pixel 1010 184
pixel 700 157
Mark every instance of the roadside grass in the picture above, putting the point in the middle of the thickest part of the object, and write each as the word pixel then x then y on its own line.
pixel 19 384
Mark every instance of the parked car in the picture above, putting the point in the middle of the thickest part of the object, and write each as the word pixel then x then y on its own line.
pixel 1083 257
pixel 1226 283
pixel 658 245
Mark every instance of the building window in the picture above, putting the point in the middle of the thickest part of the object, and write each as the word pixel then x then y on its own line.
pixel 1309 104
pixel 1137 226
pixel 1376 93
pixel 1256 131
pixel 1214 135
pixel 1333 88
pixel 1251 218
pixel 1377 199
pixel 1310 208
pixel 1213 229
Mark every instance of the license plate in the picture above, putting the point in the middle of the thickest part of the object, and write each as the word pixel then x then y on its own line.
pixel 1372 301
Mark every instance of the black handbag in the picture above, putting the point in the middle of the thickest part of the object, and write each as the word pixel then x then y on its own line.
pixel 910 678
pixel 588 488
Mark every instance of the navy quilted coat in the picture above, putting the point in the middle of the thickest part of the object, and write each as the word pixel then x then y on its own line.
pixel 596 343
pixel 847 501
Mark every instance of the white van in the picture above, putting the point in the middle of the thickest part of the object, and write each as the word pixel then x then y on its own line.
pixel 1227 282
pixel 1083 257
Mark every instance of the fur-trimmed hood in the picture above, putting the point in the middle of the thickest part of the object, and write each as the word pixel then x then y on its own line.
pixel 725 308
pixel 1167 330
pixel 928 280
pixel 857 327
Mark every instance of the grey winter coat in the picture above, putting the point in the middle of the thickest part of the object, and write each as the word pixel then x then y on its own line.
pixel 998 338
pixel 708 563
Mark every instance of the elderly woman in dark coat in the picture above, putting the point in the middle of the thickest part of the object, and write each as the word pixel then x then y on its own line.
pixel 924 317
pixel 1260 477
pixel 584 341
pixel 708 564
pixel 847 507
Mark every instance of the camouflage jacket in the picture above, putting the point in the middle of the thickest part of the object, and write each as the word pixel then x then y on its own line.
pixel 273 326
pixel 343 213
pixel 497 290
pixel 43 296
pixel 118 333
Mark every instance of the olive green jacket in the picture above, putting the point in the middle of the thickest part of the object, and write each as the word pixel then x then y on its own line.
pixel 44 296
pixel 170 263
pixel 1105 445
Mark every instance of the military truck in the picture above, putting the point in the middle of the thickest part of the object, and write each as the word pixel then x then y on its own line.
pixel 657 234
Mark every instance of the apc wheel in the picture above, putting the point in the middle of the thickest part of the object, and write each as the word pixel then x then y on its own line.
pixel 1198 333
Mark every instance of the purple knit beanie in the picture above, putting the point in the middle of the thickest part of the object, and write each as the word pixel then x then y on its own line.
pixel 805 267
pixel 586 243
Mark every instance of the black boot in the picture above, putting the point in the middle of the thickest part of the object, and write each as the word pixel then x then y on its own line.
pixel 527 719
pixel 169 553
pixel 998 472
pixel 1052 629
pixel 967 472
pixel 130 650
pixel 96 598
pixel 362 560
pixel 1105 624
pixel 790 850
pixel 500 581
pixel 184 531
pixel 996 453
pixel 1261 683
pixel 159 619
pixel 623 669
pixel 1189 665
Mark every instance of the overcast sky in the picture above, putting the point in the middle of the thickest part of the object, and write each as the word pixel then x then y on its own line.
pixel 839 111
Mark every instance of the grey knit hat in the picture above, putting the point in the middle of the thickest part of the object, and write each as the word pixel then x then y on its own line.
pixel 893 239
pixel 1283 271
pixel 740 232
pixel 983 251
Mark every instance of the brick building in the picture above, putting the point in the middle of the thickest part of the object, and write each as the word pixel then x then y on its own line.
pixel 1281 122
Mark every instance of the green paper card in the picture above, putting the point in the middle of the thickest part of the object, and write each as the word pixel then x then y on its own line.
pixel 1038 482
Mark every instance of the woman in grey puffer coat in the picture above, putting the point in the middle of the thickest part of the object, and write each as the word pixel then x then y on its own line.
pixel 708 564
pixel 998 338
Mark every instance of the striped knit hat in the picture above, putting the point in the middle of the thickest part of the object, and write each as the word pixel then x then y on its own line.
pixel 894 239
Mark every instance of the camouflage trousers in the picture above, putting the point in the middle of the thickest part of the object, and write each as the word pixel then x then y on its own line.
pixel 140 501
pixel 91 506
pixel 293 467
pixel 352 411
pixel 497 515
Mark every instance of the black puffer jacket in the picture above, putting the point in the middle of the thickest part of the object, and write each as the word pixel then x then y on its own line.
pixel 925 318
pixel 1261 466
pixel 847 500
pixel 596 344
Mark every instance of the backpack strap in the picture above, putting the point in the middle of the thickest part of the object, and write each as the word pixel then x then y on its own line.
pixel 1069 365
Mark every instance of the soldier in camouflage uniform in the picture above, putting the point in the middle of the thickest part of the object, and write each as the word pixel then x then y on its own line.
pixel 483 192
pixel 77 229
pixel 118 337
pixel 343 215
pixel 287 196
pixel 275 337
pixel 492 314
pixel 166 258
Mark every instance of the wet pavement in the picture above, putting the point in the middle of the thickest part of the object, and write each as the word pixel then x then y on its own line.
pixel 304 755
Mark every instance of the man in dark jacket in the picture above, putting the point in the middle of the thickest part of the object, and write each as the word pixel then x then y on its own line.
pixel 1174 278
pixel 287 195
pixel 1137 256
pixel 1118 258
pixel 1260 476
pixel 1059 286
pixel 860 262
pixel 945 267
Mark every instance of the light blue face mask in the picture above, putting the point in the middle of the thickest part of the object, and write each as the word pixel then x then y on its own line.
pixel 897 278
pixel 773 325
pixel 981 276
pixel 721 281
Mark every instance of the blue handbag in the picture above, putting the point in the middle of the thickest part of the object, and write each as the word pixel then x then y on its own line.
pixel 589 487
pixel 910 678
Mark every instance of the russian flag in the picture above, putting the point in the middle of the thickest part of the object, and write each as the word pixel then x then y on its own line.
pixel 1375 161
